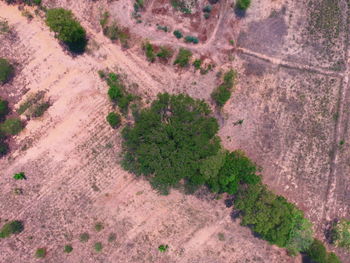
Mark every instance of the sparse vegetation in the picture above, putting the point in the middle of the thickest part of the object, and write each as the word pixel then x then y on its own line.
pixel 181 6
pixel 164 53
pixel 98 226
pixel 40 253
pixel 6 71
pixel 31 102
pixel 114 119
pixel 4 26
pixel 112 237
pixel 113 31
pixel 84 237
pixel 223 93
pixel 11 228
pixel 163 248
pixel 183 57
pixel 40 109
pixel 67 28
pixel 98 246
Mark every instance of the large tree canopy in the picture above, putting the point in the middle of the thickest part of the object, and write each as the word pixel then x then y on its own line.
pixel 169 140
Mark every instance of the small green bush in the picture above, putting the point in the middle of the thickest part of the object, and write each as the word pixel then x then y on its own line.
pixel 197 64
pixel 341 234
pixel 223 93
pixel 84 237
pixel 243 4
pixel 4 109
pixel 98 226
pixel 98 246
pixel 163 248
pixel 183 57
pixel 68 29
pixel 165 53
pixel 191 39
pixel 148 47
pixel 40 253
pixel 6 71
pixel 177 34
pixel 114 119
pixel 19 176
pixel 40 109
pixel 13 227
pixel 11 126
pixel 207 9
pixel 68 248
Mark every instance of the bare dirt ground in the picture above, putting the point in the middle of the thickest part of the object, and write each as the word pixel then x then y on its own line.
pixel 292 94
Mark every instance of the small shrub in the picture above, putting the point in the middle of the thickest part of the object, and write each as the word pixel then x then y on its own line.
pixel 102 74
pixel 40 109
pixel 221 236
pixel 112 31
pixel 6 71
pixel 243 4
pixel 177 34
pixel 13 227
pixel 4 148
pixel 104 19
pixel 223 93
pixel 68 248
pixel 165 53
pixel 19 176
pixel 206 15
pixel 4 109
pixel 68 29
pixel 40 253
pixel 98 246
pixel 163 248
pixel 11 126
pixel 148 47
pixel 18 191
pixel 84 237
pixel 197 64
pixel 317 252
pixel 163 28
pixel 183 57
pixel 4 27
pixel 207 9
pixel 191 39
pixel 98 226
pixel 114 119
pixel 341 234
pixel 112 237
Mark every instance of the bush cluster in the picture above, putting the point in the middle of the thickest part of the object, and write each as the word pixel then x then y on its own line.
pixel 6 71
pixel 183 57
pixel 223 93
pixel 67 28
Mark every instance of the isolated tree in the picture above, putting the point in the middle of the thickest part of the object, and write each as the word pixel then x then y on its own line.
pixel 6 70
pixel 68 29
pixel 169 141
pixel 243 4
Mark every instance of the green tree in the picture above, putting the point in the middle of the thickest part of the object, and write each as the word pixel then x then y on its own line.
pixel 169 140
pixel 68 29
pixel 243 4
pixel 223 93
pixel 6 70
pixel 13 227
pixel 114 119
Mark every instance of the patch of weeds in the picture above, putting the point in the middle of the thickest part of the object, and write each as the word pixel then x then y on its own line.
pixel 232 42
pixel 99 226
pixel 204 71
pixel 98 246
pixel 164 53
pixel 183 57
pixel 84 237
pixel 68 249
pixel 113 31
pixel 6 71
pixel 239 122
pixel 139 193
pixel 178 34
pixel 102 74
pixel 27 14
pixel 40 253
pixel 112 237
pixel 163 248
pixel 221 236
pixel 342 142
pixel 40 109
pixel 19 176
pixel 30 101
pixel 95 188
pixel 206 15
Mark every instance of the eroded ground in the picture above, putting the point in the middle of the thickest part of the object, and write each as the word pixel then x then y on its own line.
pixel 292 96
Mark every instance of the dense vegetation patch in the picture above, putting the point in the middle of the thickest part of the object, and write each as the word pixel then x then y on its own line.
pixel 6 71
pixel 341 234
pixel 183 57
pixel 67 28
pixel 223 93
pixel 13 227
pixel 114 119
pixel 317 253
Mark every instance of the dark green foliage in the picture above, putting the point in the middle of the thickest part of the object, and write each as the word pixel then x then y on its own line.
pixel 114 119
pixel 237 168
pixel 169 140
pixel 163 28
pixel 98 246
pixel 68 248
pixel 40 253
pixel 6 71
pixel 165 53
pixel 271 216
pixel 117 92
pixel 163 248
pixel 68 29
pixel 11 126
pixel 191 39
pixel 4 148
pixel 98 226
pixel 177 34
pixel 223 93
pixel 149 51
pixel 40 109
pixel 243 4
pixel 197 64
pixel 207 9
pixel 183 57
pixel 84 237
pixel 317 252
pixel 19 176
pixel 333 258
pixel 13 227
pixel 4 109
